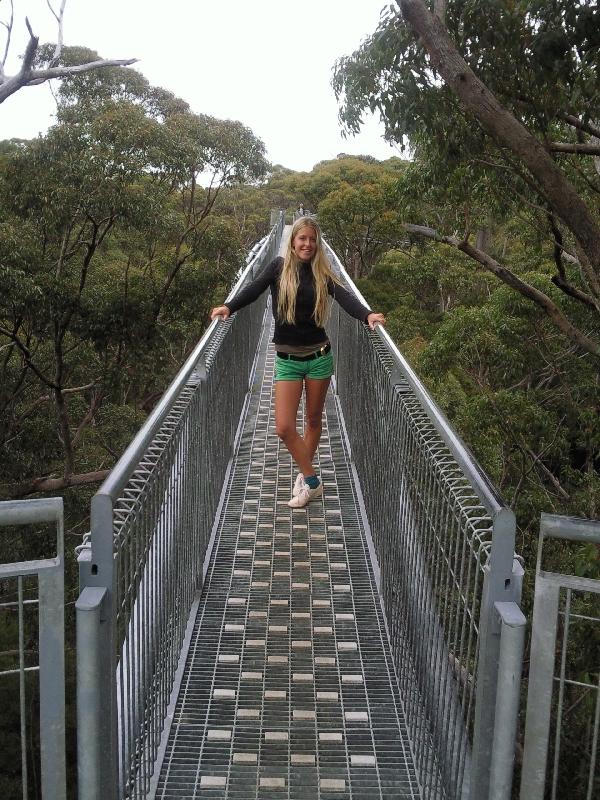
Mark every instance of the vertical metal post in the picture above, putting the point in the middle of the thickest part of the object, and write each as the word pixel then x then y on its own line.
pixel 23 715
pixel 544 633
pixel 512 639
pixel 539 694
pixel 93 756
pixel 100 719
pixel 498 587
pixel 52 680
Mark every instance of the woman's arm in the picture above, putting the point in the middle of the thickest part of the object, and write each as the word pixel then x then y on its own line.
pixel 354 307
pixel 249 293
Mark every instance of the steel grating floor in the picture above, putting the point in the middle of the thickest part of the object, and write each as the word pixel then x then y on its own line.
pixel 288 690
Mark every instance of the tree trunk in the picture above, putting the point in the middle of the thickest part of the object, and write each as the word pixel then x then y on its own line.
pixel 505 129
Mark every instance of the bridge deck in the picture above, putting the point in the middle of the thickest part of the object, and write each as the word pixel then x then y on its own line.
pixel 289 689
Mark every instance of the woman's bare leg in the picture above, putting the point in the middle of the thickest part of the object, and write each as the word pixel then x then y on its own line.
pixel 287 400
pixel 316 390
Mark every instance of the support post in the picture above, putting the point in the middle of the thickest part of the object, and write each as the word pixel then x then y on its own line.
pixel 96 682
pixel 498 587
pixel 52 679
pixel 94 757
pixel 512 639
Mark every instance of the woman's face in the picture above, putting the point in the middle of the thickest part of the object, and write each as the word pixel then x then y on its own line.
pixel 304 243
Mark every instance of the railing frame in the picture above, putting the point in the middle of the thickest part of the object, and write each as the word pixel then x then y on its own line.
pixel 502 574
pixel 98 756
pixel 544 632
pixel 51 633
pixel 500 626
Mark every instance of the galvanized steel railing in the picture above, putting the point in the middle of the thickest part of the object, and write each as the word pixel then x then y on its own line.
pixel 142 568
pixel 49 604
pixel 450 585
pixel 566 612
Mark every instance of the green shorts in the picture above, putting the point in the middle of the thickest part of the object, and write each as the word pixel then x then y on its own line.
pixel 290 370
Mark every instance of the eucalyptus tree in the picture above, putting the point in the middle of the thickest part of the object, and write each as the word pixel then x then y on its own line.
pixel 498 102
pixel 358 210
pixel 111 249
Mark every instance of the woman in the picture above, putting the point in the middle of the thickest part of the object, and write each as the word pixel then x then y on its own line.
pixel 301 284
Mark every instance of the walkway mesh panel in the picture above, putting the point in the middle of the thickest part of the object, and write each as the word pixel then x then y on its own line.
pixel 289 688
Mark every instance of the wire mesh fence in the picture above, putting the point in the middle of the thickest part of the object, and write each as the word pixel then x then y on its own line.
pixel 444 542
pixel 151 526
pixel 32 652
pixel 562 734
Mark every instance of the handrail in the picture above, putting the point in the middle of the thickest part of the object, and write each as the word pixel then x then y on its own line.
pixel 114 483
pixel 141 568
pixel 51 635
pixel 486 491
pixel 445 544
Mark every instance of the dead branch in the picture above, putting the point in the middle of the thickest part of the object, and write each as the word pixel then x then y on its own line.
pixel 59 38
pixel 46 484
pixel 27 76
pixel 580 149
pixel 9 26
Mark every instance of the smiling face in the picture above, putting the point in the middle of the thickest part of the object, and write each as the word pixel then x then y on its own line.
pixel 304 243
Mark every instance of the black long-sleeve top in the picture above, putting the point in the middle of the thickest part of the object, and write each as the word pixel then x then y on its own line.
pixel 305 330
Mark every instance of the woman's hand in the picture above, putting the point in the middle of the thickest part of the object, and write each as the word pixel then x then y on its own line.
pixel 375 319
pixel 220 311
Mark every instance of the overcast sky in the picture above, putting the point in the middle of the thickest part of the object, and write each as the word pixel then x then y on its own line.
pixel 265 63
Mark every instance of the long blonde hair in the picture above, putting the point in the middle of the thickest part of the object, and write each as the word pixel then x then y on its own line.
pixel 289 279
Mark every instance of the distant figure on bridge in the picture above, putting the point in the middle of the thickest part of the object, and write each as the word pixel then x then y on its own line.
pixel 301 284
pixel 300 210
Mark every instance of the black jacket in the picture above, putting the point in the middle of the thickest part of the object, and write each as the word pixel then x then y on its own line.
pixel 305 330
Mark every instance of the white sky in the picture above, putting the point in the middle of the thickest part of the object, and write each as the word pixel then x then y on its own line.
pixel 265 63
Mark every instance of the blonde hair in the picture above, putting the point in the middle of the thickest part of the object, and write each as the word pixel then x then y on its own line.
pixel 288 278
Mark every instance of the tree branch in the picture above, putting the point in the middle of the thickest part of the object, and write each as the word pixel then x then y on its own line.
pixel 9 26
pixel 582 126
pixel 27 76
pixel 439 9
pixel 560 280
pixel 580 149
pixel 27 357
pixel 504 129
pixel 59 39
pixel 45 484
pixel 88 417
pixel 507 276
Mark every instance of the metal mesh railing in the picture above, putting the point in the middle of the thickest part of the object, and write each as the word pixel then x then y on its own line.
pixel 562 735
pixel 444 542
pixel 443 538
pixel 32 607
pixel 151 526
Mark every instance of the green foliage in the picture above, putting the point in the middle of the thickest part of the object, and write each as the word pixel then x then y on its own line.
pixel 115 241
pixel 111 251
pixel 541 61
pixel 355 199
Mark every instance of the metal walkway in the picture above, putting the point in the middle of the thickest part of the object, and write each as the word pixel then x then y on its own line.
pixel 320 657
pixel 275 678
pixel 289 688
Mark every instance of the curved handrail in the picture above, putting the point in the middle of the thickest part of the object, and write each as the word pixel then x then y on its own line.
pixel 115 482
pixel 488 494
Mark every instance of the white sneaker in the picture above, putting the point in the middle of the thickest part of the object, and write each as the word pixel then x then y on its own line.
pixel 298 485
pixel 305 496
